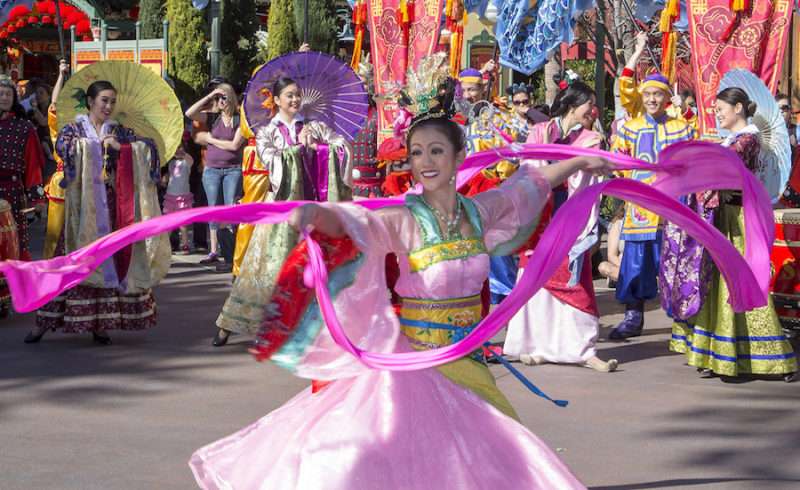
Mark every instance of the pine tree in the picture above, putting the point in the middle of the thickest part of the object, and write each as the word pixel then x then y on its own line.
pixel 280 28
pixel 151 14
pixel 188 65
pixel 239 26
pixel 321 26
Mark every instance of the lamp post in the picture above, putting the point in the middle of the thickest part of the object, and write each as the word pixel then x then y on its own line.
pixel 214 51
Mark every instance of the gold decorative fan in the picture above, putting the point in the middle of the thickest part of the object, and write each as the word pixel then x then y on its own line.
pixel 145 102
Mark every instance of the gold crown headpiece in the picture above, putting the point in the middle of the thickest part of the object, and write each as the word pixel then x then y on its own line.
pixel 423 83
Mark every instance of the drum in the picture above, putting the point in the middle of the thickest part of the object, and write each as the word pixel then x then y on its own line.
pixel 9 249
pixel 785 258
pixel 9 239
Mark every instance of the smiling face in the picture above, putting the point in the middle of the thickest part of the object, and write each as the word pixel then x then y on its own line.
pixel 473 92
pixel 584 113
pixel 288 101
pixel 785 105
pixel 728 115
pixel 522 102
pixel 654 101
pixel 6 98
pixel 433 159
pixel 102 106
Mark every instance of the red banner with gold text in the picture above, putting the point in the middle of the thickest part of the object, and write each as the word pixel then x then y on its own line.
pixel 394 47
pixel 758 44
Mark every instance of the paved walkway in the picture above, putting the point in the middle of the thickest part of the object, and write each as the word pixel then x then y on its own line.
pixel 74 415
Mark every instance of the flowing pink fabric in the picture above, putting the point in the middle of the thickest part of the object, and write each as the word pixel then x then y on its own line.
pixel 682 168
pixel 383 430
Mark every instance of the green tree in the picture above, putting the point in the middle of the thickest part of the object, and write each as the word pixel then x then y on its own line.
pixel 188 65
pixel 239 42
pixel 151 14
pixel 321 26
pixel 280 29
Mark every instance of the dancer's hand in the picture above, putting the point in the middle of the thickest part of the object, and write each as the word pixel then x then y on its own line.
pixel 109 141
pixel 303 136
pixel 312 216
pixel 598 166
pixel 641 42
pixel 489 67
pixel 304 217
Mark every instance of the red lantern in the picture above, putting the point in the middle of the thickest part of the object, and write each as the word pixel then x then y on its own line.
pixel 83 27
pixel 3 35
pixel 33 19
pixel 12 29
pixel 20 23
pixel 46 19
pixel 18 12
pixel 48 7
pixel 73 18
pixel 66 9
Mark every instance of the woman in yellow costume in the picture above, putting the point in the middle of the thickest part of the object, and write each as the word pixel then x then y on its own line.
pixel 255 182
pixel 53 190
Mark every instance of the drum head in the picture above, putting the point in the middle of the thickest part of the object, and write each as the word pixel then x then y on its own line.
pixel 787 216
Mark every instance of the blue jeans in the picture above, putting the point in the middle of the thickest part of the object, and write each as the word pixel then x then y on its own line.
pixel 229 180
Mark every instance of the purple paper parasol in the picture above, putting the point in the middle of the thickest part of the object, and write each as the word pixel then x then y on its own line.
pixel 330 90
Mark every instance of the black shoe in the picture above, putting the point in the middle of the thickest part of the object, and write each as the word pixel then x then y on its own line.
pixel 32 339
pixel 791 377
pixel 101 339
pixel 223 268
pixel 219 339
pixel 4 310
pixel 706 373
pixel 210 259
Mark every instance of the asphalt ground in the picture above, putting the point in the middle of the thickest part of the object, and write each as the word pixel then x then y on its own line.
pixel 75 415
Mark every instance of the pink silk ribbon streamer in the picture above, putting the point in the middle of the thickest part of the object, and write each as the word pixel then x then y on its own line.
pixel 683 168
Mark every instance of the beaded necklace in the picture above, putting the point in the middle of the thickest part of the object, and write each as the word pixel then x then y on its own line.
pixel 451 225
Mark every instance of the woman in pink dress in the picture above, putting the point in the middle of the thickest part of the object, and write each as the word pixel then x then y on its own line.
pixel 560 323
pixel 448 427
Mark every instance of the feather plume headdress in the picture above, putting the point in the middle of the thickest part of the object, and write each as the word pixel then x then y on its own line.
pixel 424 83
pixel 422 96
pixel 366 71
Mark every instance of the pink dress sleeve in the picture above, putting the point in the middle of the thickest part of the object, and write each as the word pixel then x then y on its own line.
pixel 511 212
pixel 360 299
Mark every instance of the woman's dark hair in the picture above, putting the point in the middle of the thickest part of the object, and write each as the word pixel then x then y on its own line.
pixel 735 95
pixel 280 85
pixel 451 130
pixel 519 88
pixel 16 108
pixel 543 108
pixel 97 87
pixel 573 96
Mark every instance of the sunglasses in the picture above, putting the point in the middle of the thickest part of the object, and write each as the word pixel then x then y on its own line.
pixel 522 102
pixel 221 97
pixel 785 108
